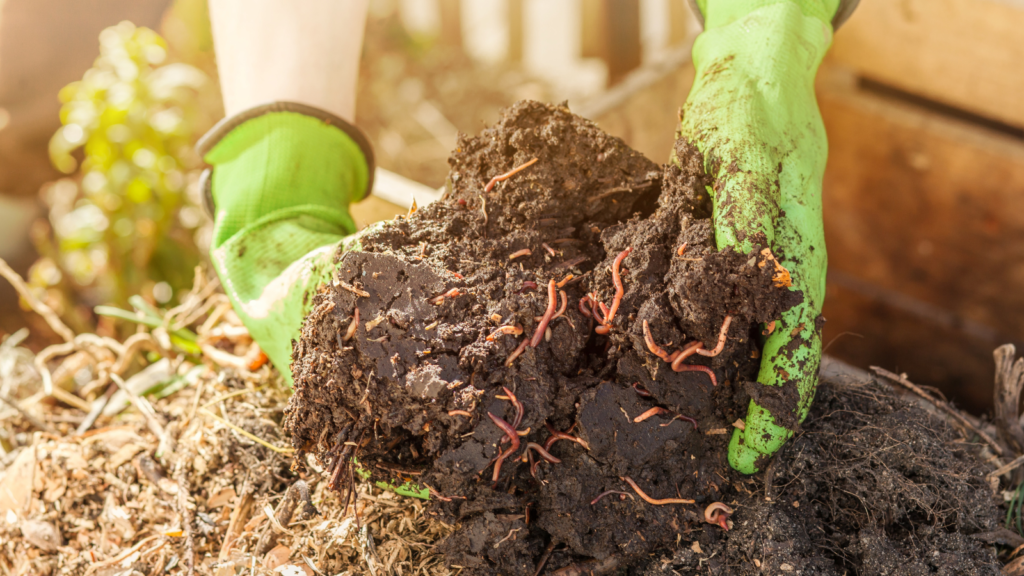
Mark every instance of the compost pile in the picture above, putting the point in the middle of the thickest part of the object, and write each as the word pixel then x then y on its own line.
pixel 483 347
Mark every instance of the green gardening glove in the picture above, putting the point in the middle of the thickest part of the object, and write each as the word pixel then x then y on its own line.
pixel 283 175
pixel 753 114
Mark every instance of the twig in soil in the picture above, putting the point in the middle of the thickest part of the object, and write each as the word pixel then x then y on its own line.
pixel 353 289
pixel 437 300
pixel 507 175
pixel 483 208
pixel 1012 464
pixel 698 368
pixel 26 415
pixel 513 330
pixel 655 501
pixel 652 346
pixel 351 331
pixel 544 557
pixel 622 496
pixel 510 432
pixel 143 407
pixel 902 380
pixel 297 492
pixel 518 253
pixel 556 436
pixel 39 307
pixel 511 534
pixel 619 291
pixel 517 352
pixel 680 417
pixel 548 315
pixel 718 513
pixel 248 434
pixel 769 328
pixel 721 339
pixel 652 412
pixel 542 453
pixel 549 249
pixel 103 564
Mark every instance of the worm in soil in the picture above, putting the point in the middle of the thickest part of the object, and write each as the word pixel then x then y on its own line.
pixel 542 453
pixel 680 417
pixel 652 412
pixel 517 352
pixel 548 315
pixel 655 501
pixel 718 513
pixel 622 496
pixel 698 368
pixel 437 300
pixel 652 346
pixel 641 390
pixel 510 432
pixel 518 253
pixel 507 175
pixel 556 436
pixel 721 339
pixel 513 330
pixel 678 356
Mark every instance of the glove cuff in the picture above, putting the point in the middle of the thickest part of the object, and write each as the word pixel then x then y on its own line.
pixel 843 13
pixel 220 130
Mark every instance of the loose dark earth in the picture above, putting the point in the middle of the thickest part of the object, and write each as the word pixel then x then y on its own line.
pixel 448 302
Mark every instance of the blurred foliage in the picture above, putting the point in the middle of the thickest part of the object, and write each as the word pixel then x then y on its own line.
pixel 126 223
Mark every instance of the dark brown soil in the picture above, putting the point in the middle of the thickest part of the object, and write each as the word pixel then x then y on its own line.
pixel 389 392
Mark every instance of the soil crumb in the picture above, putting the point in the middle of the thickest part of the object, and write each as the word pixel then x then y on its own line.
pixel 482 347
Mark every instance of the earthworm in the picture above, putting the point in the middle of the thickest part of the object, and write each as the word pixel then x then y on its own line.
pixel 565 301
pixel 510 432
pixel 678 356
pixel 351 327
pixel 550 250
pixel 542 453
pixel 437 300
pixel 617 279
pixel 515 353
pixel 517 405
pixel 718 513
pixel 527 285
pixel 652 346
pixel 465 413
pixel 680 417
pixel 655 501
pixel 518 253
pixel 564 280
pixel 622 495
pixel 556 436
pixel 507 175
pixel 456 274
pixel 548 315
pixel 652 412
pixel 641 390
pixel 582 306
pixel 721 339
pixel 681 250
pixel 513 330
pixel 698 368
pixel 769 328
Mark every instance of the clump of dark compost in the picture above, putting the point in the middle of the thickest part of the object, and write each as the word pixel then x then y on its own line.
pixel 448 302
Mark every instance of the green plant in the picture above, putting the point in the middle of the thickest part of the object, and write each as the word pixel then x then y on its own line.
pixel 123 224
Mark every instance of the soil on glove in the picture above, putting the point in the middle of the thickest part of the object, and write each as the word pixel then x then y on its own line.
pixel 458 325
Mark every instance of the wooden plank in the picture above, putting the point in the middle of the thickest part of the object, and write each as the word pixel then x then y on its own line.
pixel 924 222
pixel 963 53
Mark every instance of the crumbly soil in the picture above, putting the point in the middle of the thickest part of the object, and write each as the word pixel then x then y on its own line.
pixel 409 394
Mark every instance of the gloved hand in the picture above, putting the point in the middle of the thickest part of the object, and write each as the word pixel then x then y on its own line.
pixel 283 175
pixel 753 114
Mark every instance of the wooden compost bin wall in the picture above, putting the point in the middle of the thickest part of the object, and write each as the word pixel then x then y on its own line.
pixel 923 193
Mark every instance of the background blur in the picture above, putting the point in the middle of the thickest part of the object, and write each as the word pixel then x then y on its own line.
pixel 101 101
